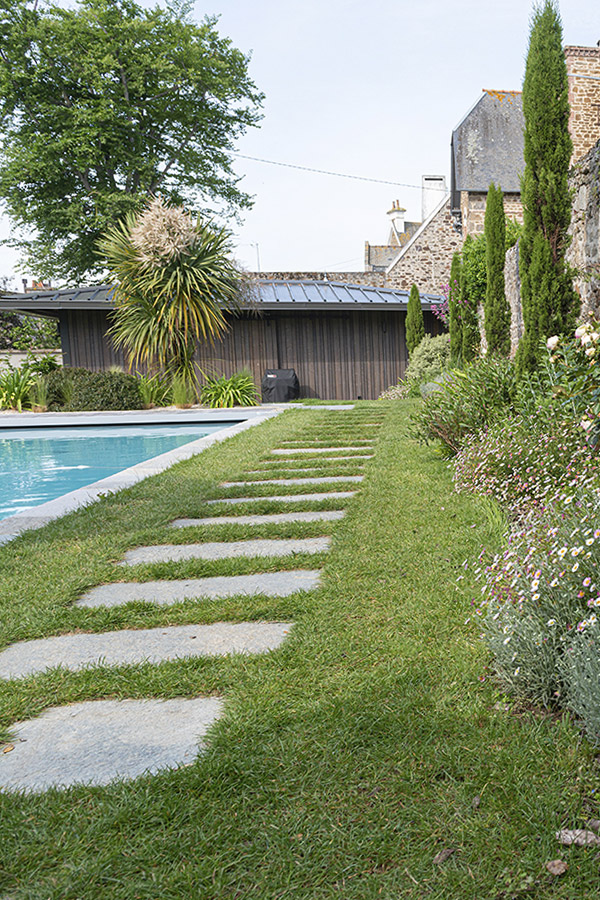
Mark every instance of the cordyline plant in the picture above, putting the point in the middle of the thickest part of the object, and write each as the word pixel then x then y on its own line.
pixel 173 283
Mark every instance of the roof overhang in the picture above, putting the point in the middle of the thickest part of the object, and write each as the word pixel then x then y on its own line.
pixel 270 295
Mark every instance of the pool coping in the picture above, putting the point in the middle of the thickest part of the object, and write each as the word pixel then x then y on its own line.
pixel 38 516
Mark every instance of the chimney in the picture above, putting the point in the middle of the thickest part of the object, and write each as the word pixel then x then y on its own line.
pixel 396 214
pixel 433 188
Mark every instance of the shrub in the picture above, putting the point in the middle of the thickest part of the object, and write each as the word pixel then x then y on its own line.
pixel 238 390
pixel 60 385
pixel 38 395
pixel 106 390
pixel 182 393
pixel 154 390
pixel 526 465
pixel 576 366
pixel 79 389
pixel 467 401
pixel 15 385
pixel 537 595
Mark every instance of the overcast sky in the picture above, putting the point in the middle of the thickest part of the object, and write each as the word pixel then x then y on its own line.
pixel 366 89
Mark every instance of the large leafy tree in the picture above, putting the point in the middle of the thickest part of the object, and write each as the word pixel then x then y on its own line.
pixel 497 310
pixel 105 104
pixel 550 304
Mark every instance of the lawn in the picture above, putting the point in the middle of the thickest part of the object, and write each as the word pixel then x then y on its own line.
pixel 347 760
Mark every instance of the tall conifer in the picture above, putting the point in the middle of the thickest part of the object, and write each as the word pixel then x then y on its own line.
pixel 454 306
pixel 550 304
pixel 497 310
pixel 415 324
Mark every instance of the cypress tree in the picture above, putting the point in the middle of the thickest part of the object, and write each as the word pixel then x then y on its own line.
pixel 472 293
pixel 415 324
pixel 454 305
pixel 550 305
pixel 497 310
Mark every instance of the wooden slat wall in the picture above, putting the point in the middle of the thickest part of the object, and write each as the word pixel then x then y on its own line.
pixel 336 355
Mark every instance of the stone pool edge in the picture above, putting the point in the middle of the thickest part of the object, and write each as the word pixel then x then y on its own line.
pixel 38 516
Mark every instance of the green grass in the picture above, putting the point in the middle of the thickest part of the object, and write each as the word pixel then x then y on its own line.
pixel 346 760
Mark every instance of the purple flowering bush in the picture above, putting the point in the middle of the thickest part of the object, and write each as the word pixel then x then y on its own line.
pixel 526 465
pixel 539 596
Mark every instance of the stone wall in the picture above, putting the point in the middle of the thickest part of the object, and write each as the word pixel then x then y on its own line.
pixel 378 279
pixel 512 289
pixel 427 258
pixel 583 68
pixel 472 207
pixel 584 252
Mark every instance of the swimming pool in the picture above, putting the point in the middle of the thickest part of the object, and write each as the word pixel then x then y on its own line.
pixel 40 464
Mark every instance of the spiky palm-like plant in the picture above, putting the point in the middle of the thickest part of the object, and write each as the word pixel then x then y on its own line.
pixel 173 282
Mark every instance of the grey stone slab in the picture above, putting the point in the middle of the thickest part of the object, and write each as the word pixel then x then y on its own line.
pixel 286 498
pixel 289 461
pixel 166 593
pixel 224 550
pixel 320 515
pixel 323 480
pixel 288 451
pixel 153 645
pixel 98 741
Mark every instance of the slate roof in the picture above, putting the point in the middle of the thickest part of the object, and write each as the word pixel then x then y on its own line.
pixel 487 145
pixel 275 294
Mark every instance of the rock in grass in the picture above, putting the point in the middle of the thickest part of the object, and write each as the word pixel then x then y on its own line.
pixel 579 836
pixel 557 867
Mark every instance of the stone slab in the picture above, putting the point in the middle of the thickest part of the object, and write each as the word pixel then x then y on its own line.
pixel 287 451
pixel 98 741
pixel 289 462
pixel 166 593
pixel 323 480
pixel 286 498
pixel 153 645
pixel 224 550
pixel 320 515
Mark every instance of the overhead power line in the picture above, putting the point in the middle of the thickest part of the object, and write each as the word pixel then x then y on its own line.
pixel 272 162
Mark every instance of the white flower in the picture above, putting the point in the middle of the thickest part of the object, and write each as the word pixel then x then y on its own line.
pixel 586 424
pixel 552 342
pixel 585 339
pixel 590 351
pixel 580 331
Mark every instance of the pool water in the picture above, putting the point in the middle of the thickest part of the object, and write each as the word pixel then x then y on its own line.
pixel 41 464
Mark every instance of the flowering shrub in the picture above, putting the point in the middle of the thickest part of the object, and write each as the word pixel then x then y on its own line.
pixel 577 366
pixel 539 594
pixel 442 311
pixel 525 465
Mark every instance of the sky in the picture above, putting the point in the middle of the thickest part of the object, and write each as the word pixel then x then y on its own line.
pixel 365 89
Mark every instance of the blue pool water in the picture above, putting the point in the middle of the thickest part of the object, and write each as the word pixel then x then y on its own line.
pixel 41 464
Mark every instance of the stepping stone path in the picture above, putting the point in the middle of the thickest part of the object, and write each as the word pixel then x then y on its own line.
pixel 95 742
pixel 224 550
pixel 285 498
pixel 166 593
pixel 99 740
pixel 324 515
pixel 154 645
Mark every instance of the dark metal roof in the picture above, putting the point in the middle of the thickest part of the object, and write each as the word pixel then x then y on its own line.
pixel 271 295
pixel 487 145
